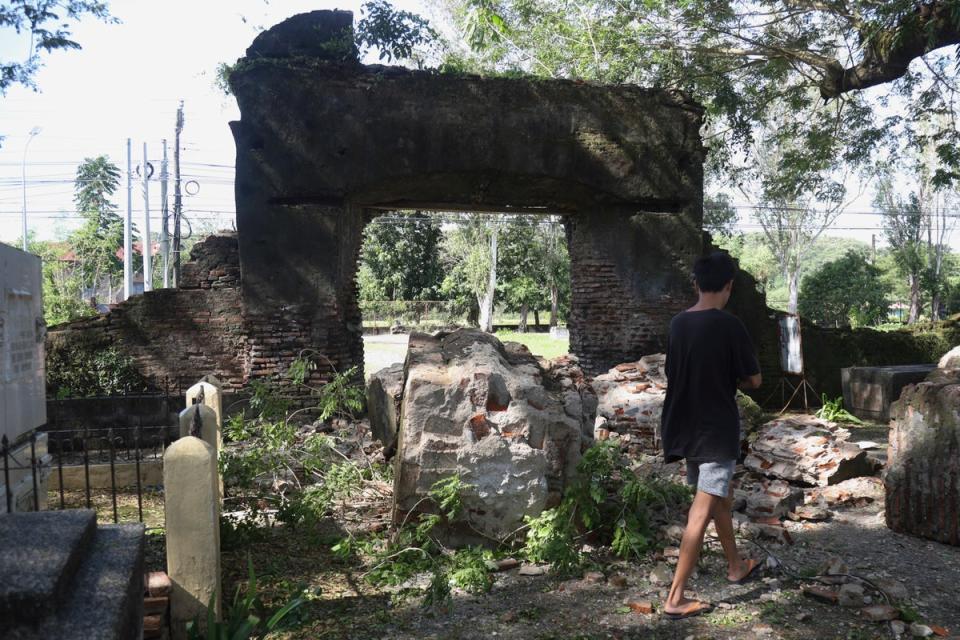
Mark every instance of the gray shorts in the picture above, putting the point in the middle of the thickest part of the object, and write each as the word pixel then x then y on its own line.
pixel 711 477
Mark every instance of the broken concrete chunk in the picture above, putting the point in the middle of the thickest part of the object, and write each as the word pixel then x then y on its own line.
pixel 806 450
pixel 494 416
pixel 821 593
pixel 855 491
pixel 771 499
pixel 662 574
pixel 533 569
pixel 850 595
pixel 879 613
pixel 924 458
pixel 384 394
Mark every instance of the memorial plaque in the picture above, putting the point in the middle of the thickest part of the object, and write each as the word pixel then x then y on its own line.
pixel 22 331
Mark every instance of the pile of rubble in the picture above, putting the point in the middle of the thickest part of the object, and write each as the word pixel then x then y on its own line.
pixel 630 400
pixel 797 468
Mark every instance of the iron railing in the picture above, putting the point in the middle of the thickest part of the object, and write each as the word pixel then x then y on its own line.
pixel 87 448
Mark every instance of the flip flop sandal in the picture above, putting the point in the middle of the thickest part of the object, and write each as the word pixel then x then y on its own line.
pixel 753 573
pixel 703 608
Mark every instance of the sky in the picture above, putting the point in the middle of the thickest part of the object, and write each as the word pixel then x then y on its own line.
pixel 126 82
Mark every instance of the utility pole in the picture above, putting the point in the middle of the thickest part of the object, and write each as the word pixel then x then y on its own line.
pixel 147 258
pixel 127 233
pixel 177 204
pixel 164 214
pixel 23 169
pixel 873 245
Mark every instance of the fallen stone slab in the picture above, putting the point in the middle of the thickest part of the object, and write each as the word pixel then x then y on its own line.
pixel 806 450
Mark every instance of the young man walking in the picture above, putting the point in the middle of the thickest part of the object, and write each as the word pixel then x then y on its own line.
pixel 709 356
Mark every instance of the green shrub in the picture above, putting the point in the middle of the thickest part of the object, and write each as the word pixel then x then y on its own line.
pixel 79 369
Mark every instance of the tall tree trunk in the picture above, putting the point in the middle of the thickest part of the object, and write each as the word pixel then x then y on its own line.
pixel 524 311
pixel 554 304
pixel 793 284
pixel 536 319
pixel 486 302
pixel 914 299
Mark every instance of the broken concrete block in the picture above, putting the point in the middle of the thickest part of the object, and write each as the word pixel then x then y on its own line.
pixel 493 415
pixel 384 395
pixel 772 499
pixel 806 450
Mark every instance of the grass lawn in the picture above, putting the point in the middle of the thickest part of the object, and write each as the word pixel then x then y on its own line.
pixel 540 344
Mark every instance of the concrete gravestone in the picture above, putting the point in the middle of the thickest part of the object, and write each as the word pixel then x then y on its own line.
pixel 191 507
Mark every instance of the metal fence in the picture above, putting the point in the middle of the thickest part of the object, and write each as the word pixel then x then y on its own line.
pixel 91 453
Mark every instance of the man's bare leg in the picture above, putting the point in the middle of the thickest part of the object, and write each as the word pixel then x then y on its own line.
pixel 737 567
pixel 701 511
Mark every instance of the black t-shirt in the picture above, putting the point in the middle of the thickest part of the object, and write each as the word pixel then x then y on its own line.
pixel 707 354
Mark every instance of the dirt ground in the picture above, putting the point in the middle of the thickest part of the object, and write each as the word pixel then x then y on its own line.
pixel 545 608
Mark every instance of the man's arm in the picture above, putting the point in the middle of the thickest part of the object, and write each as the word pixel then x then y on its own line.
pixel 751 382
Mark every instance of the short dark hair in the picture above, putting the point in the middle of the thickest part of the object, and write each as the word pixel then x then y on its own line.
pixel 714 271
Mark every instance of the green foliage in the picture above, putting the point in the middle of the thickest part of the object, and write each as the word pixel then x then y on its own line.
pixel 833 411
pixel 469 570
pixel 401 257
pixel 609 502
pixel 397 35
pixel 79 369
pixel 246 617
pixel 341 396
pixel 847 291
pixel 96 243
pixel 446 494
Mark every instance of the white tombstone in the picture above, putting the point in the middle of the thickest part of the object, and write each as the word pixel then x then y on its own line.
pixel 191 507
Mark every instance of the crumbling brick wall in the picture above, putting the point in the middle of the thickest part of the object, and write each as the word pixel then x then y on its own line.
pixel 174 336
pixel 214 263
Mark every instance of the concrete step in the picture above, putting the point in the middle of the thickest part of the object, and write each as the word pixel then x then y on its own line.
pixel 104 598
pixel 40 553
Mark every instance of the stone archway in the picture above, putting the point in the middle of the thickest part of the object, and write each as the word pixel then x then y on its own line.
pixel 323 140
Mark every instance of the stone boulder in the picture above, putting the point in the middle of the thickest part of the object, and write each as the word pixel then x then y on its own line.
pixel 922 478
pixel 510 426
pixel 950 360
pixel 384 393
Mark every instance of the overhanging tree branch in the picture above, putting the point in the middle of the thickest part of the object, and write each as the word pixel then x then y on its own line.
pixel 889 53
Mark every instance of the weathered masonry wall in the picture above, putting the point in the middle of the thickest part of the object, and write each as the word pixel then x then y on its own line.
pixel 174 335
pixel 324 142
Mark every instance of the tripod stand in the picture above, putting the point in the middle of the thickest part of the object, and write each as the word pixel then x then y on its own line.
pixel 785 383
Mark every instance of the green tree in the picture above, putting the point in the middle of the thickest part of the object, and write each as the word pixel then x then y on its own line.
pixel 748 63
pixel 519 272
pixel 847 291
pixel 97 241
pixel 470 256
pixel 47 24
pixel 401 257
